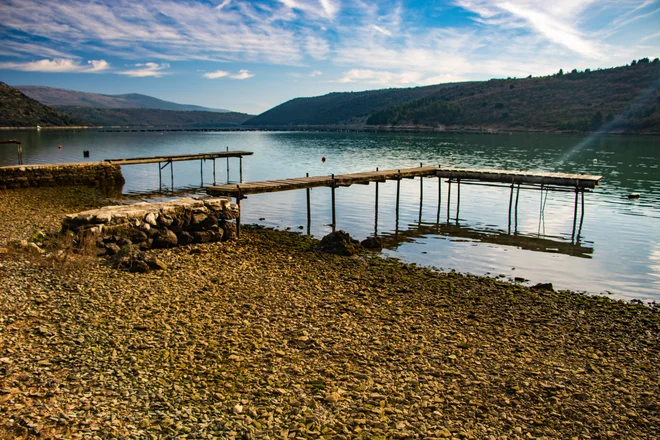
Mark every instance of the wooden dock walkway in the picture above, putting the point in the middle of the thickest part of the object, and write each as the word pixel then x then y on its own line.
pixel 179 157
pixel 542 180
pixel 499 176
pixel 170 159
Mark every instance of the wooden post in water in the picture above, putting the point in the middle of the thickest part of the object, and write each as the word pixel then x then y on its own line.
pixel 458 198
pixel 421 195
pixel 160 178
pixel 437 219
pixel 227 166
pixel 172 174
pixel 238 219
pixel 240 164
pixel 201 172
pixel 515 211
pixel 334 217
pixel 577 240
pixel 510 206
pixel 214 171
pixel 376 211
pixel 309 208
pixel 20 153
pixel 448 197
pixel 577 193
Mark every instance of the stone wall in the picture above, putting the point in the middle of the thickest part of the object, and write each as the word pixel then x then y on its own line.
pixel 156 225
pixel 96 174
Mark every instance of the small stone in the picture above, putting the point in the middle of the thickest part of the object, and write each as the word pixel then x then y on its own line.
pixel 238 408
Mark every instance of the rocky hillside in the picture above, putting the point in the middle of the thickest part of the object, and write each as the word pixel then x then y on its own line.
pixel 18 110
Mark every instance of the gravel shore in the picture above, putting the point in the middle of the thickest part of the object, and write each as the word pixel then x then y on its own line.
pixel 267 338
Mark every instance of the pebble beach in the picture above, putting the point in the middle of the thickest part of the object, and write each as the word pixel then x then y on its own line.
pixel 267 337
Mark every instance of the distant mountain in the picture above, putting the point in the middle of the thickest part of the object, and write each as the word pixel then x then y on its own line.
pixel 62 97
pixel 156 118
pixel 18 110
pixel 618 99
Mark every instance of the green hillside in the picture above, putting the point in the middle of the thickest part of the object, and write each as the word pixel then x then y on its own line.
pixel 142 117
pixel 339 108
pixel 617 99
pixel 18 110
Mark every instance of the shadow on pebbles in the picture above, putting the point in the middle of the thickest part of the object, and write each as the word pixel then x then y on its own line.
pixel 269 338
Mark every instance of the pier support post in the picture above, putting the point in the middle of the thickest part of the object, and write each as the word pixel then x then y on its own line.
pixel 421 196
pixel 20 153
pixel 238 219
pixel 577 239
pixel 201 172
pixel 160 178
pixel 334 212
pixel 309 208
pixel 227 166
pixel 515 211
pixel 577 193
pixel 240 173
pixel 458 198
pixel 510 206
pixel 448 198
pixel 214 171
pixel 437 218
pixel 376 211
pixel 172 174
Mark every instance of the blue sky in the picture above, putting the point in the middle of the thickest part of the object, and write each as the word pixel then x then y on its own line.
pixel 252 55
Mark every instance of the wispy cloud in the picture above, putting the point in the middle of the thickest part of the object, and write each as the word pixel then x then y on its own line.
pixel 393 79
pixel 243 74
pixel 57 65
pixel 315 73
pixel 323 8
pixel 217 74
pixel 147 70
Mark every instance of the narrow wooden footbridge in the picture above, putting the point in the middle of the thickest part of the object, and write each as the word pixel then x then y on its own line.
pixel 580 183
pixel 165 160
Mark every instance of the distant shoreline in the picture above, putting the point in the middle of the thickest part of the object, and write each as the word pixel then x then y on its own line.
pixel 330 128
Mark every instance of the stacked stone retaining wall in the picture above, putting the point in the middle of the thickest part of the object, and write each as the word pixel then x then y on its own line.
pixel 156 225
pixel 97 174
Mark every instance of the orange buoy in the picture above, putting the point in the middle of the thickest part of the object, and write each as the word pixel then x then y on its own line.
pixel 323 159
pixel 59 147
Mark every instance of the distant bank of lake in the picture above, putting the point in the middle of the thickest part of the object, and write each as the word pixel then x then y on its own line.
pixel 618 250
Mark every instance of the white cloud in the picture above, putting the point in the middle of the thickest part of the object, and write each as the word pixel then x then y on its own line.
pixel 57 65
pixel 381 30
pixel 393 79
pixel 243 74
pixel 216 74
pixel 315 73
pixel 147 70
pixel 323 8
pixel 317 47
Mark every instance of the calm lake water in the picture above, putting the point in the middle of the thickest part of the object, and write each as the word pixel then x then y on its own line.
pixel 617 251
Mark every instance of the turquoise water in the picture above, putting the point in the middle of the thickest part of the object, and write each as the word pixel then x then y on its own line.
pixel 617 251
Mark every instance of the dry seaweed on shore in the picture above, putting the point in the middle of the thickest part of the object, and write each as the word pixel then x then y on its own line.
pixel 268 338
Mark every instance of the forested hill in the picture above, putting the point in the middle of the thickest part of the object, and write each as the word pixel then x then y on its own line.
pixel 146 117
pixel 617 99
pixel 18 110
pixel 340 108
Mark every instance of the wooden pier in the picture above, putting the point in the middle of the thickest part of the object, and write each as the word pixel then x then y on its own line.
pixel 532 180
pixel 164 161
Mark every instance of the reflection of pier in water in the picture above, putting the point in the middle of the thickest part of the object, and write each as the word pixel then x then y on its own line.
pixel 392 240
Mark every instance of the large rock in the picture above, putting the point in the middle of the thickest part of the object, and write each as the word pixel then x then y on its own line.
pixel 340 243
pixel 165 239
